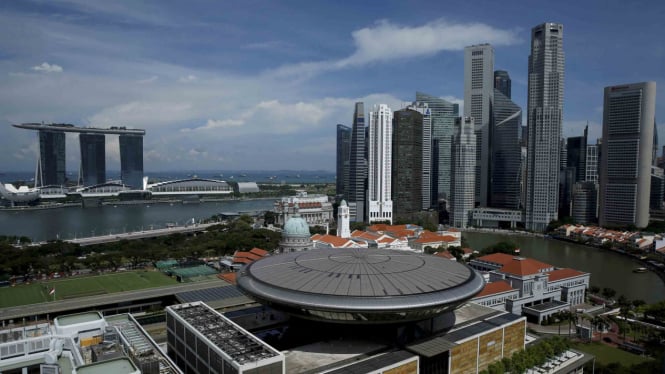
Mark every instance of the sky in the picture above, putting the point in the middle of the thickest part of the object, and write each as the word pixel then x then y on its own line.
pixel 261 85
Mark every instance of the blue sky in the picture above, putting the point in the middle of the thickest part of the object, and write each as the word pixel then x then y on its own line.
pixel 260 85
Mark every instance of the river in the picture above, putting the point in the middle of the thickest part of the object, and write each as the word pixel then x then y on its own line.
pixel 607 269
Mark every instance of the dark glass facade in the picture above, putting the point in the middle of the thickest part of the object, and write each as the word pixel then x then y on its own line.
pixel 93 159
pixel 505 153
pixel 407 162
pixel 51 170
pixel 355 195
pixel 502 82
pixel 131 160
pixel 343 154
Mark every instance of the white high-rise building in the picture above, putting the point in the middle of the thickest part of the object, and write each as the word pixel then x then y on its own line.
pixel 462 196
pixel 544 117
pixel 626 153
pixel 343 224
pixel 478 99
pixel 380 164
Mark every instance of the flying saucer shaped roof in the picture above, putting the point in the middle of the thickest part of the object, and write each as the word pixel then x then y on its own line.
pixel 362 285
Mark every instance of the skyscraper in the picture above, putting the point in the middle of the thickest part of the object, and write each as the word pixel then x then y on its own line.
pixel 355 195
pixel 505 160
pixel 544 116
pixel 573 170
pixel 380 165
pixel 625 178
pixel 51 163
pixel 343 153
pixel 591 163
pixel 503 83
pixel 93 159
pixel 407 162
pixel 478 98
pixel 131 160
pixel 463 172
pixel 443 114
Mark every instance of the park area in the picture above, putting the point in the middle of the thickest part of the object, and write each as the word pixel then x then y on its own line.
pixel 606 354
pixel 70 288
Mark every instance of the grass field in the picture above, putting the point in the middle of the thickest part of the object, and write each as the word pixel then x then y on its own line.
pixel 606 354
pixel 83 286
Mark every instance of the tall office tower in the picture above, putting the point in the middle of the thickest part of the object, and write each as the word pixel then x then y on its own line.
pixel 502 82
pixel 462 194
pixel 591 163
pixel 573 170
pixel 131 160
pixel 654 152
pixel 355 194
pixel 506 153
pixel 585 199
pixel 657 188
pixel 93 159
pixel 380 165
pixel 544 116
pixel 426 155
pixel 51 162
pixel 407 163
pixel 443 114
pixel 628 119
pixel 478 98
pixel 343 153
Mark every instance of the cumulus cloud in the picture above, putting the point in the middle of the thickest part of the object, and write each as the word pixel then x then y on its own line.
pixel 386 41
pixel 45 67
pixel 148 80
pixel 216 124
pixel 188 79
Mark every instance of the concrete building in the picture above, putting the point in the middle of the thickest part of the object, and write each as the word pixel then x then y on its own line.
pixel 51 163
pixel 657 188
pixel 342 160
pixel 495 218
pixel 355 194
pixel 544 118
pixel 525 286
pixel 343 224
pixel 462 195
pixel 93 159
pixel 202 340
pixel 380 205
pixel 585 202
pixel 131 160
pixel 295 236
pixel 316 209
pixel 478 101
pixel 591 163
pixel 625 185
pixel 443 114
pixel 83 343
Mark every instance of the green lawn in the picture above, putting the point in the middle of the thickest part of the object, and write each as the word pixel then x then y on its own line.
pixel 83 286
pixel 606 354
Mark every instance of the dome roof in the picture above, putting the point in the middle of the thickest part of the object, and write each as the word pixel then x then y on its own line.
pixel 296 226
pixel 343 203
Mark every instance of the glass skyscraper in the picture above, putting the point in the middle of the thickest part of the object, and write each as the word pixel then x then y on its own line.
pixel 131 160
pixel 503 83
pixel 51 167
pixel 463 175
pixel 544 116
pixel 93 159
pixel 506 156
pixel 443 114
pixel 407 163
pixel 355 195
pixel 342 162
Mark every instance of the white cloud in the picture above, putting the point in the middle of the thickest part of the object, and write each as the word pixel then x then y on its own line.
pixel 386 41
pixel 48 68
pixel 148 80
pixel 188 79
pixel 216 124
pixel 143 114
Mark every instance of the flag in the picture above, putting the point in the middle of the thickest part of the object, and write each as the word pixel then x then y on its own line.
pixel 52 292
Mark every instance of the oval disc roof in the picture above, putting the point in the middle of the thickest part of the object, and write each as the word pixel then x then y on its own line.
pixel 360 279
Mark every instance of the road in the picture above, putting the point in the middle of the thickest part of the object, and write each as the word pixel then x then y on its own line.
pixel 140 234
pixel 99 300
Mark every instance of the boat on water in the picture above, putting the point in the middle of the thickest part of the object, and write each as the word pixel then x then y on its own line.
pixel 640 270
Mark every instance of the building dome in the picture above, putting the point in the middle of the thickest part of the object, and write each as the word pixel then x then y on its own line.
pixel 343 203
pixel 296 226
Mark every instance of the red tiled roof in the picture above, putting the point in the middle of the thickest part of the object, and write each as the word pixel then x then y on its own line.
pixel 436 239
pixel 444 254
pixel 559 274
pixel 406 233
pixel 497 258
pixel 364 235
pixel 242 260
pixel 248 255
pixel 467 250
pixel 229 277
pixel 259 252
pixel 428 234
pixel 335 241
pixel 524 266
pixel 493 288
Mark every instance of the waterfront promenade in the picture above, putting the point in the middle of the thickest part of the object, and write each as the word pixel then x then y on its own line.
pixel 140 234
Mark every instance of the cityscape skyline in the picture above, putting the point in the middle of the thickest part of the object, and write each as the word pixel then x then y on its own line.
pixel 220 89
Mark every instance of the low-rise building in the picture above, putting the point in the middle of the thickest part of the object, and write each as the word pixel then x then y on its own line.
pixel 525 286
pixel 317 210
